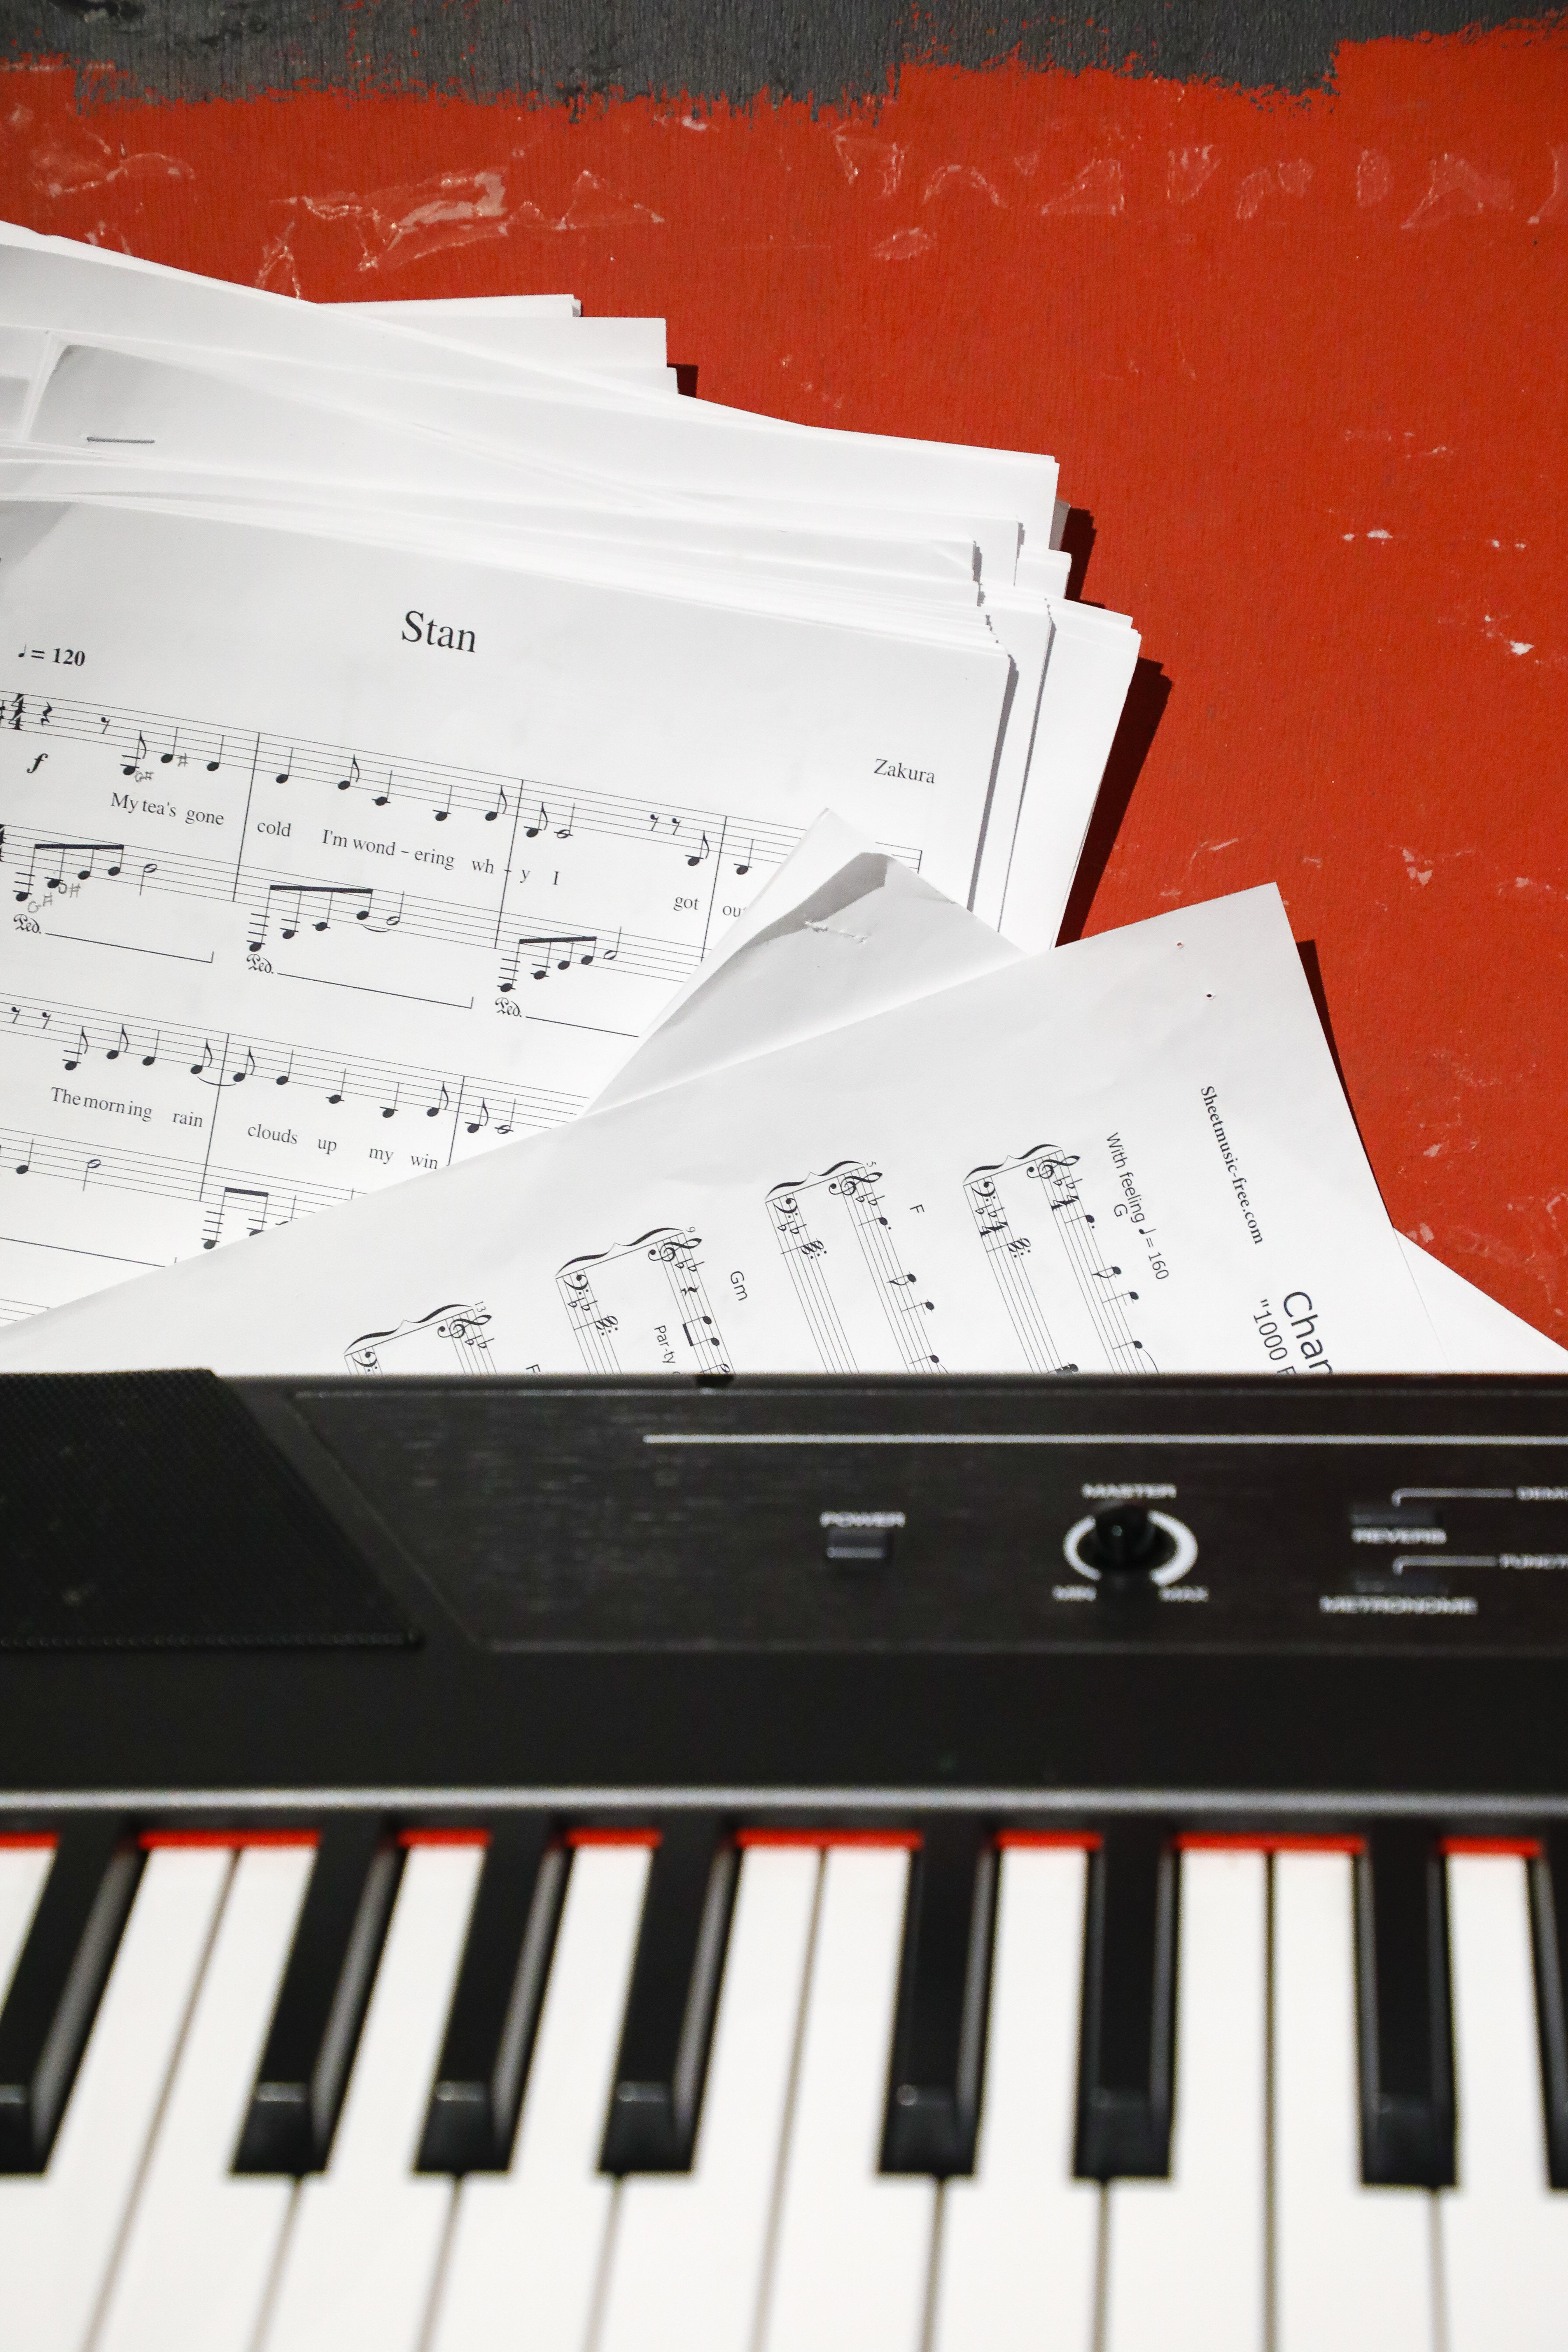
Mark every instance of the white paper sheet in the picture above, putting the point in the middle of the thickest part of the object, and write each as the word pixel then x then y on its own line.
pixel 737 1006
pixel 52 283
pixel 497 528
pixel 1131 1154
pixel 437 310
pixel 667 442
pixel 303 901
pixel 1478 1335
pixel 1089 668
pixel 842 931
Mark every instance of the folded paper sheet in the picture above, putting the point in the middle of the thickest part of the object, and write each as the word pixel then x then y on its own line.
pixel 1130 1155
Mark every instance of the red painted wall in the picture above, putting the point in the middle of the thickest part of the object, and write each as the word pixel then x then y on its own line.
pixel 1303 360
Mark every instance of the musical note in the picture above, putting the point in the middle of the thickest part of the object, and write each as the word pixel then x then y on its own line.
pixel 697 855
pixel 61 850
pixel 533 832
pixel 343 1088
pixel 87 1171
pixel 611 953
pixel 237 1077
pixel 164 757
pixel 115 1052
pixel 746 867
pixel 441 814
pixel 442 1102
pixel 249 1200
pixel 148 1059
pixel 565 832
pixel 381 798
pixel 150 868
pixel 128 767
pixel 345 782
pixel 322 893
pixel 511 1116
pixel 199 1069
pixel 284 1075
pixel 562 950
pixel 483 1119
pixel 74 1061
pixel 389 1110
pixel 23 1165
pixel 214 765
pixel 280 778
pixel 499 808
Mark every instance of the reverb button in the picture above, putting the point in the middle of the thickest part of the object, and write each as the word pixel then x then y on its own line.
pixel 859 1540
pixel 1404 1526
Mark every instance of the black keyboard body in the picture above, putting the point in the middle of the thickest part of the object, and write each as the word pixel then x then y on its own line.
pixel 812 1600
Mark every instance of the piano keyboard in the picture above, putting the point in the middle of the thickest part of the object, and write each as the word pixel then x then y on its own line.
pixel 680 2088
pixel 784 1866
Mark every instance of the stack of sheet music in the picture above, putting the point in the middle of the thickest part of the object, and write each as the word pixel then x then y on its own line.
pixel 415 706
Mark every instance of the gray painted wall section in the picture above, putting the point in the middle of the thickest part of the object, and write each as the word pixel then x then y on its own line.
pixel 734 49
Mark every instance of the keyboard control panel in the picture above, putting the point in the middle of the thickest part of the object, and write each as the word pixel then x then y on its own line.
pixel 888 1516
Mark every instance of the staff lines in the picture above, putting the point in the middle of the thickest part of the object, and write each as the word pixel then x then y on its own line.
pixel 298 901
pixel 159 1174
pixel 140 1043
pixel 542 807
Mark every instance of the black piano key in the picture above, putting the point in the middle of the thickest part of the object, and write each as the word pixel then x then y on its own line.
pixel 321 2001
pixel 657 2096
pixel 939 2027
pixel 1127 2034
pixel 1403 2021
pixel 58 1979
pixel 1549 1925
pixel 471 2120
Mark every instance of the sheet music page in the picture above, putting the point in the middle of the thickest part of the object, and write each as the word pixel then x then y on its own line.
pixel 794 980
pixel 327 866
pixel 1130 1155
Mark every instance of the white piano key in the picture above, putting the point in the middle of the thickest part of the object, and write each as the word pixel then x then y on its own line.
pixel 23 1870
pixel 59 2232
pixel 363 2251
pixel 1185 2256
pixel 686 2265
pixel 1504 2229
pixel 852 2262
pixel 202 2244
pixel 524 2263
pixel 1015 2271
pixel 1352 2266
